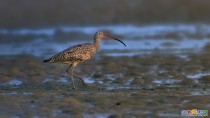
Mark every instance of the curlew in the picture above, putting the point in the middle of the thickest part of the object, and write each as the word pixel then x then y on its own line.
pixel 79 53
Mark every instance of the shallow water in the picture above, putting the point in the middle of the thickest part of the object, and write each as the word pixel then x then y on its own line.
pixel 139 39
pixel 13 82
pixel 166 81
pixel 198 75
pixel 134 47
pixel 128 30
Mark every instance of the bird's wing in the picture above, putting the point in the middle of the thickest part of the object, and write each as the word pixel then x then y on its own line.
pixel 80 52
pixel 75 53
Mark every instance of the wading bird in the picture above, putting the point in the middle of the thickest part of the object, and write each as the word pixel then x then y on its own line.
pixel 79 53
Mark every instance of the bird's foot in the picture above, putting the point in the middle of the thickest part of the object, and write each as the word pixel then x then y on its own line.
pixel 74 88
pixel 83 83
pixel 67 71
pixel 80 78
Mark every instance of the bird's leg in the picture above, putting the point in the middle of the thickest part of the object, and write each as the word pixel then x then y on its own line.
pixel 72 74
pixel 72 77
pixel 67 70
pixel 80 78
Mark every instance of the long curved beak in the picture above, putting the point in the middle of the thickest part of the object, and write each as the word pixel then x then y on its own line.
pixel 106 36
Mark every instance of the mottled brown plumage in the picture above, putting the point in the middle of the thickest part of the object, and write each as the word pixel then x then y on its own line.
pixel 79 53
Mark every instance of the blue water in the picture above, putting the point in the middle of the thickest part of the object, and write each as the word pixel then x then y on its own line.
pixel 140 40
pixel 128 30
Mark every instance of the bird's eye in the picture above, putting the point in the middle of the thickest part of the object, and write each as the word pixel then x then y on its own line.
pixel 100 33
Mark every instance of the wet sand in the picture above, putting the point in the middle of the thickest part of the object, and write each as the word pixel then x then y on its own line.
pixel 154 85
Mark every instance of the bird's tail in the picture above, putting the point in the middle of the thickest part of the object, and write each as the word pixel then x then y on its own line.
pixel 46 60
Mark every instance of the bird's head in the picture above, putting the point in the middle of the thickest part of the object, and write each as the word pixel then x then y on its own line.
pixel 99 35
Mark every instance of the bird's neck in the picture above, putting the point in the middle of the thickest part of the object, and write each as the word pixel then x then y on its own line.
pixel 97 42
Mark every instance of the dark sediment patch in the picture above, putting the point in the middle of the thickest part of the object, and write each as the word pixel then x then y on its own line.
pixel 205 80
